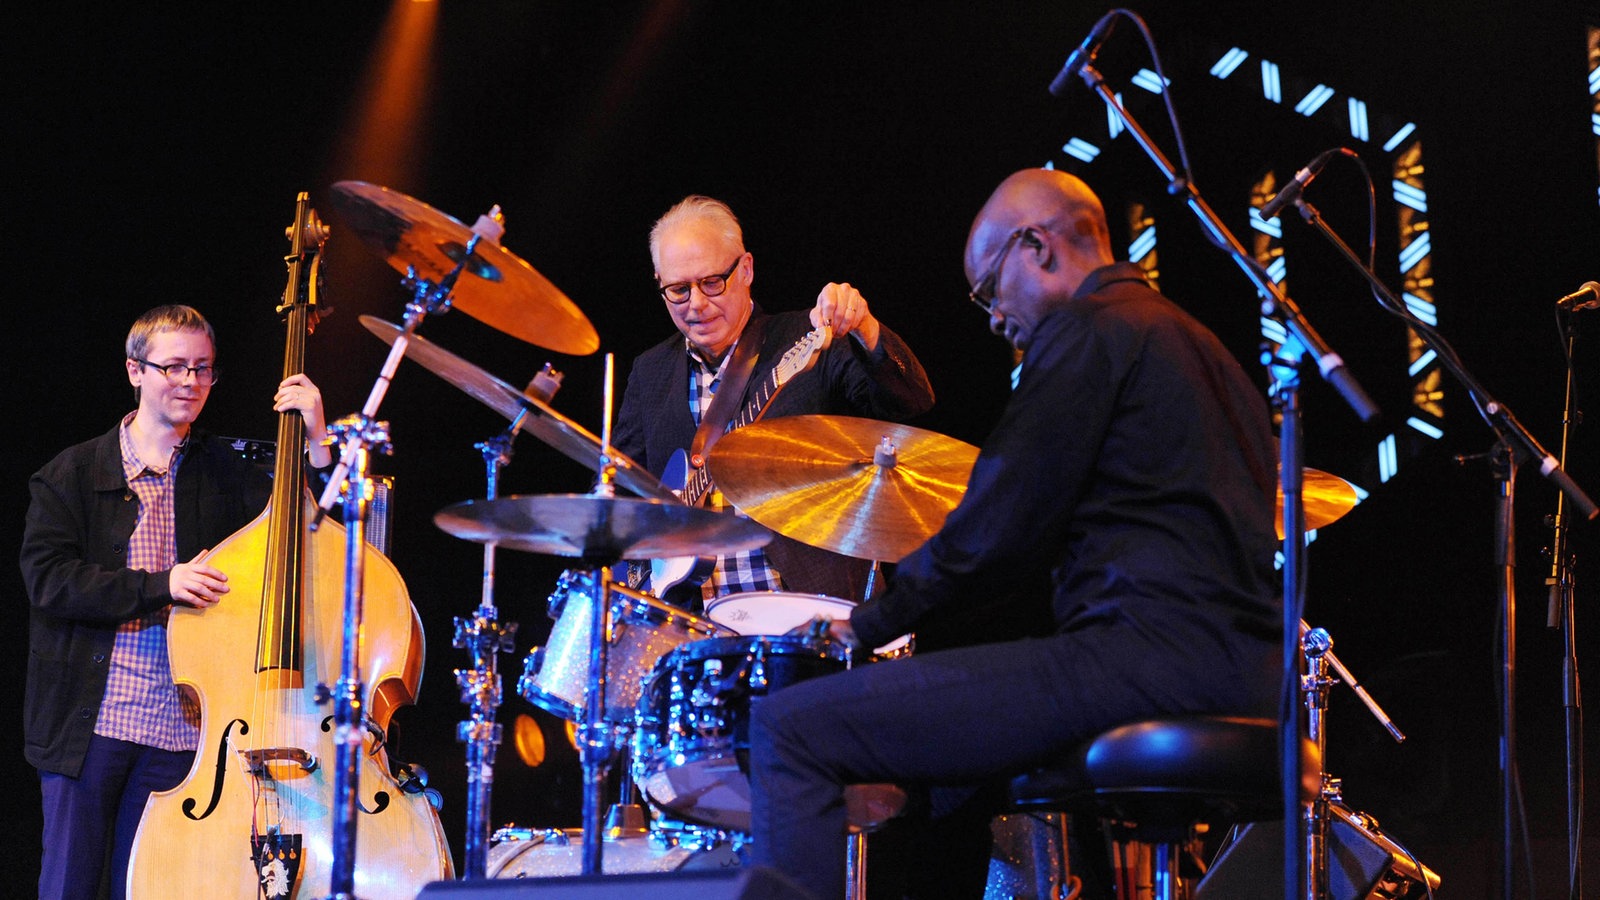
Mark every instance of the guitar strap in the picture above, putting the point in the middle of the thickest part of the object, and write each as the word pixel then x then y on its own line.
pixel 729 391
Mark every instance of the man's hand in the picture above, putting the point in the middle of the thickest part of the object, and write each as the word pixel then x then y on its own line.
pixel 842 308
pixel 196 584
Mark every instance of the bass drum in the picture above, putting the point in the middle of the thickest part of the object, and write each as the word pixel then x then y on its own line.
pixel 691 739
pixel 555 677
pixel 558 852
pixel 779 612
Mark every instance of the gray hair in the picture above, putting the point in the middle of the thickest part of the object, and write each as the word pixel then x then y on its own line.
pixel 696 208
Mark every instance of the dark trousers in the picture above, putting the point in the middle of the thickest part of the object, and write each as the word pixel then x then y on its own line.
pixel 90 821
pixel 959 718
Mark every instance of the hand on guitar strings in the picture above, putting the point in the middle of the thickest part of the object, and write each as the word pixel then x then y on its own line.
pixel 842 308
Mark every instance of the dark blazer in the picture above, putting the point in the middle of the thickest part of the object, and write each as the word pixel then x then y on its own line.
pixel 887 384
pixel 74 563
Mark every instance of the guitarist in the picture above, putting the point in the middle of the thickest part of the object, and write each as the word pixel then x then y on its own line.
pixel 115 533
pixel 703 274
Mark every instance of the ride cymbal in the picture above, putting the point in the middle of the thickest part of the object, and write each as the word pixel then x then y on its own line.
pixel 495 286
pixel 602 529
pixel 860 487
pixel 541 421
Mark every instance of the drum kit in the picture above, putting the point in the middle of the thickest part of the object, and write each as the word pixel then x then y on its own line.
pixel 636 676
pixel 666 692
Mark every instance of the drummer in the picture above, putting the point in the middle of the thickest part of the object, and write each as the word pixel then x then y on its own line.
pixel 704 275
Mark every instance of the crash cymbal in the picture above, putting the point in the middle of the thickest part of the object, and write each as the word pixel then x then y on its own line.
pixel 860 487
pixel 1325 497
pixel 541 421
pixel 604 529
pixel 494 287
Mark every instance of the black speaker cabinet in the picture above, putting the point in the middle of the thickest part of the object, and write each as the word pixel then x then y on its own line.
pixel 754 883
pixel 1363 864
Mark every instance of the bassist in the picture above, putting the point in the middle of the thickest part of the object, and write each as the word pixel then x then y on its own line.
pixel 115 533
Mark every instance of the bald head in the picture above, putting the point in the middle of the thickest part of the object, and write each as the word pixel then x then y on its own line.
pixel 1051 201
pixel 1034 242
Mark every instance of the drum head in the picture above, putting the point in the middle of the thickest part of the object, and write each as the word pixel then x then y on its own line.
pixel 774 612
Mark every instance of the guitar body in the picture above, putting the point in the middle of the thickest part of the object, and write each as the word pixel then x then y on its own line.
pixel 259 728
pixel 694 485
pixel 668 573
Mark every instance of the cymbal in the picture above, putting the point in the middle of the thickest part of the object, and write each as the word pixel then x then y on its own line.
pixel 605 529
pixel 826 481
pixel 494 287
pixel 1326 499
pixel 543 422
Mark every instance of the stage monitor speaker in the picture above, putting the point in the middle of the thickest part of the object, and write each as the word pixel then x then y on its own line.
pixel 753 883
pixel 1363 864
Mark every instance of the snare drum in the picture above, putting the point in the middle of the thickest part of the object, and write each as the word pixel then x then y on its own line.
pixel 555 677
pixel 779 612
pixel 691 739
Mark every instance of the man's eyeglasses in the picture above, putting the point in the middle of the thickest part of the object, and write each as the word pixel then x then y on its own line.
pixel 711 285
pixel 982 293
pixel 176 372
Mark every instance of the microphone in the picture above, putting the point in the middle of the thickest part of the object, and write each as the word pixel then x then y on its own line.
pixel 1291 191
pixel 1586 297
pixel 1084 54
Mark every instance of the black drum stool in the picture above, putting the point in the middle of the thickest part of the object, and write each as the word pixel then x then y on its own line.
pixel 1155 781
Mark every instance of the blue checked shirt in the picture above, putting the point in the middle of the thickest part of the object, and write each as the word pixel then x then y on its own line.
pixel 141 704
pixel 750 570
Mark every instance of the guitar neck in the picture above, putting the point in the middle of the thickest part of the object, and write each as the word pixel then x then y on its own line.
pixel 699 484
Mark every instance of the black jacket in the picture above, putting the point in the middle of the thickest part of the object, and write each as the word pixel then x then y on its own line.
pixel 73 561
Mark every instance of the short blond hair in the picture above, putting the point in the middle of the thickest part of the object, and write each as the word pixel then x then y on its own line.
pixel 174 317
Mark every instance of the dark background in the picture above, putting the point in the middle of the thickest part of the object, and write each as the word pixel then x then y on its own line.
pixel 156 155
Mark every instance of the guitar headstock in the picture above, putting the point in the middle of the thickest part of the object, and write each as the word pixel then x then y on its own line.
pixel 803 354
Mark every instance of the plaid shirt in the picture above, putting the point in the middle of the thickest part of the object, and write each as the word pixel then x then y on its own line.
pixel 141 704
pixel 750 570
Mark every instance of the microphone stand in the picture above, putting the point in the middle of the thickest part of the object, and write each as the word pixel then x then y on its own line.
pixel 1560 615
pixel 1295 874
pixel 1514 443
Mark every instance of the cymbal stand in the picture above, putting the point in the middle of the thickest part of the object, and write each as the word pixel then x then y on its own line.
pixel 487 637
pixel 350 731
pixel 359 434
pixel 1317 647
pixel 596 740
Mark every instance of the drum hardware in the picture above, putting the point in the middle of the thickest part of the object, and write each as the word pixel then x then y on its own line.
pixel 434 251
pixel 1325 811
pixel 600 530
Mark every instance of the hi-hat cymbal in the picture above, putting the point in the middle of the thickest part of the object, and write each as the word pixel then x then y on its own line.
pixel 860 487
pixel 602 529
pixel 1325 498
pixel 495 286
pixel 544 423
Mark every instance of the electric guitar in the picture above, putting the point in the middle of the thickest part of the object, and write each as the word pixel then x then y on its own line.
pixel 695 478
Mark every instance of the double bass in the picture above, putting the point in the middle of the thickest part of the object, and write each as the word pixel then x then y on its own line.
pixel 254 818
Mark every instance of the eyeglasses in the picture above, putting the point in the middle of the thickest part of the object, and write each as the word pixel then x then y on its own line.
pixel 982 293
pixel 711 285
pixel 176 372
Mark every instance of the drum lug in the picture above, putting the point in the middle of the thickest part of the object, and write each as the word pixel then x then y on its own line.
pixel 530 671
